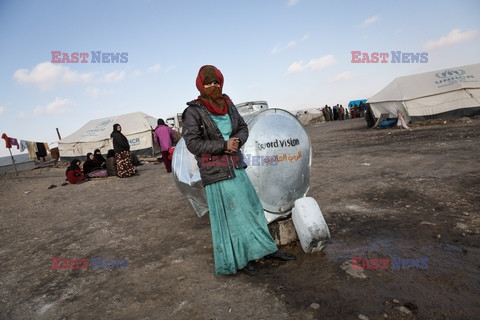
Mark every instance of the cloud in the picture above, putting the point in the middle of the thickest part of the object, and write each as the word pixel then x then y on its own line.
pixel 155 68
pixel 292 43
pixel 453 37
pixel 370 20
pixel 114 76
pixel 2 110
pixel 96 92
pixel 58 106
pixel 47 75
pixel 344 76
pixel 296 67
pixel 321 63
pixel 314 64
pixel 292 3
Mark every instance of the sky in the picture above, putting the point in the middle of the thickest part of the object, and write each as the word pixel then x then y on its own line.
pixel 294 54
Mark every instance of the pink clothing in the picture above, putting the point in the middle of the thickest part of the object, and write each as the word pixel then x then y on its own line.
pixel 164 136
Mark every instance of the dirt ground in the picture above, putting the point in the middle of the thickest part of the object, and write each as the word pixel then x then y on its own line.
pixel 385 194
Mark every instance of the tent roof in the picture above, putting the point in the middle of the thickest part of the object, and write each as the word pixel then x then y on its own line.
pixel 429 83
pixel 100 129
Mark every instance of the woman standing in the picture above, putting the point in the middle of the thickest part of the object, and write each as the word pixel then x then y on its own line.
pixel 164 136
pixel 214 132
pixel 122 153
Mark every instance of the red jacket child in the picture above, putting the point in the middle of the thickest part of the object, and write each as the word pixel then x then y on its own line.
pixel 74 173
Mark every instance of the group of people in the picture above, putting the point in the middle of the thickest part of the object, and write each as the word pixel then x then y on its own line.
pixel 358 110
pixel 95 166
pixel 338 112
pixel 334 113
pixel 119 161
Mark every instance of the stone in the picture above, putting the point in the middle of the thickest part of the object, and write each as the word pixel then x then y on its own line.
pixel 362 317
pixel 356 273
pixel 283 232
pixel 404 310
pixel 462 226
pixel 315 306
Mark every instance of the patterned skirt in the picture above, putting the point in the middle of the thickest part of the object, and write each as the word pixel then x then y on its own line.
pixel 124 164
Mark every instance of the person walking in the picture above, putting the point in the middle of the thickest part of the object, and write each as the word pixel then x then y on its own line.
pixel 212 129
pixel 122 153
pixel 164 137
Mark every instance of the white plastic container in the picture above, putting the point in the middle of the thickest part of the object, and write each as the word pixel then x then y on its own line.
pixel 312 230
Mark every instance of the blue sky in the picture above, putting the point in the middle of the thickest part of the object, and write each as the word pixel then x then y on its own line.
pixel 293 54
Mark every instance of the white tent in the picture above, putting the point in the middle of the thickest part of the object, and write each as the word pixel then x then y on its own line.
pixel 446 93
pixel 95 134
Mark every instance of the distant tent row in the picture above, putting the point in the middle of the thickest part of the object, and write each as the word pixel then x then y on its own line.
pixel 447 93
pixel 95 134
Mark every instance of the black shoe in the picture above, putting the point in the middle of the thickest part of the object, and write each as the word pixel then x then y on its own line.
pixel 250 269
pixel 281 255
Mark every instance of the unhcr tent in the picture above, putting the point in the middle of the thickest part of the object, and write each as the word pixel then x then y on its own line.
pixel 446 93
pixel 95 134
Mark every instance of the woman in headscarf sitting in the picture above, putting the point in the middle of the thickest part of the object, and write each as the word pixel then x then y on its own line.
pixel 74 173
pixel 111 163
pixel 93 168
pixel 98 155
pixel 122 152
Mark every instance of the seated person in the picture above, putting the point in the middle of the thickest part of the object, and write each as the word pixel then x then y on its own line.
pixel 93 168
pixel 111 163
pixel 135 161
pixel 98 155
pixel 74 173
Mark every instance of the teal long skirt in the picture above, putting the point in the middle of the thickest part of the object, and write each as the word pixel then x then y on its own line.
pixel 239 228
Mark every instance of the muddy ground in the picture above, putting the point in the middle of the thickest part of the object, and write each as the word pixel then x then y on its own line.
pixel 409 194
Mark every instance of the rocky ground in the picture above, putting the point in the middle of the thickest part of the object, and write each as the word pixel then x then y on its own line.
pixel 386 194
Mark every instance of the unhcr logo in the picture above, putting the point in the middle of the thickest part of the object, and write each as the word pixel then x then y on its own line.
pixel 449 77
pixel 104 123
pixel 450 73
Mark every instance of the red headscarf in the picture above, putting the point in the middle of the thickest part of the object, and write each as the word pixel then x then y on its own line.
pixel 212 97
